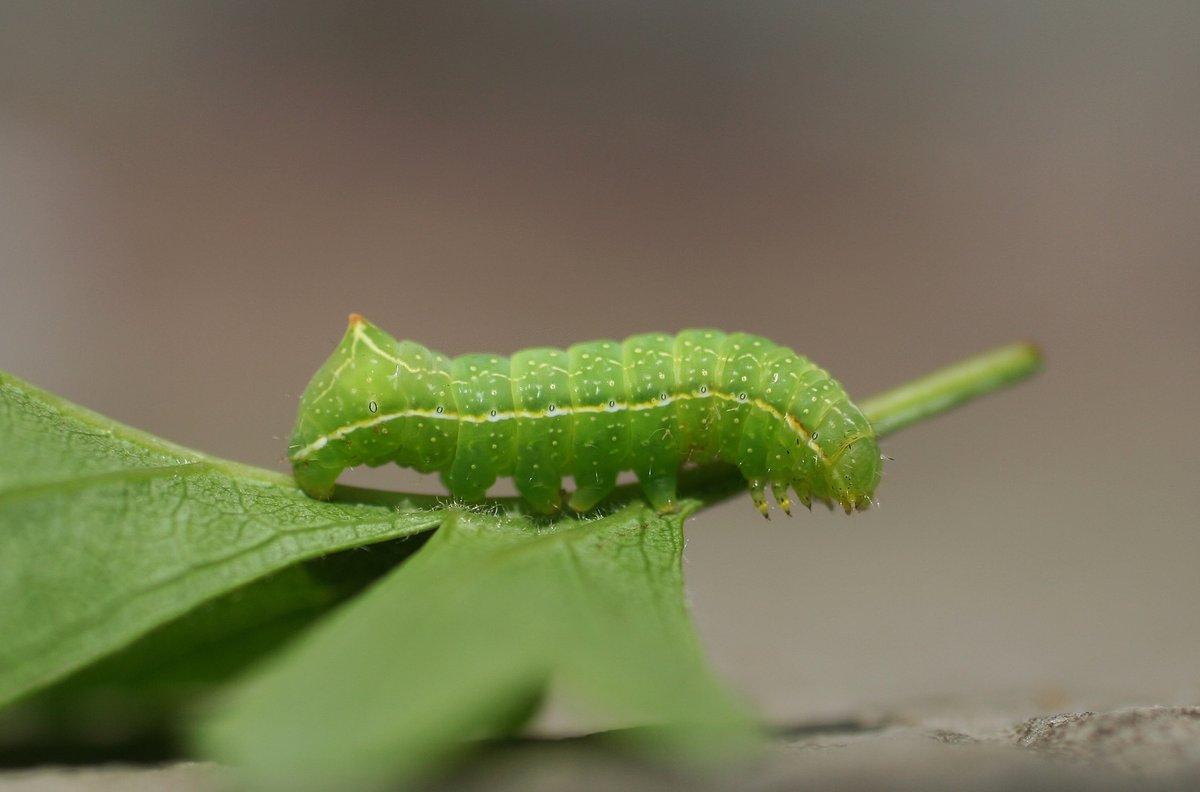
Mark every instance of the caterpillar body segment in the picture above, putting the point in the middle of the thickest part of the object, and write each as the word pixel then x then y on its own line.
pixel 647 404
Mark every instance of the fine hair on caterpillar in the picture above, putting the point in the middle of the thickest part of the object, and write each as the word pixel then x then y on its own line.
pixel 648 404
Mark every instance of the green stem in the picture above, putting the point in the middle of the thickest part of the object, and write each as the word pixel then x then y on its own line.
pixel 949 387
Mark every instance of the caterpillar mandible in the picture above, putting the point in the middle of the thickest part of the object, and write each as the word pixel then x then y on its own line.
pixel 647 404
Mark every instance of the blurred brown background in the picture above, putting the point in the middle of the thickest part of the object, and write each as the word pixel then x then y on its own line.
pixel 196 194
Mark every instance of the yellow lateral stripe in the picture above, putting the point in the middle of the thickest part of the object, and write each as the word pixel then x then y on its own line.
pixel 342 431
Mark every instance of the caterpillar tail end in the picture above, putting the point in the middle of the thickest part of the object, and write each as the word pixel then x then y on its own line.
pixel 855 503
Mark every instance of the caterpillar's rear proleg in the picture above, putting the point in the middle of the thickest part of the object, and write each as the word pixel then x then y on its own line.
pixel 591 489
pixel 538 482
pixel 660 490
pixel 464 484
pixel 543 496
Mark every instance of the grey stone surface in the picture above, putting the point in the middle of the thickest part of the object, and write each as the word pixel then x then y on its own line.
pixel 920 748
pixel 1153 741
pixel 180 777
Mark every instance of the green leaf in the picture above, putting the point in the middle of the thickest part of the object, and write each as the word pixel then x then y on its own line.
pixel 107 533
pixel 130 562
pixel 145 688
pixel 466 633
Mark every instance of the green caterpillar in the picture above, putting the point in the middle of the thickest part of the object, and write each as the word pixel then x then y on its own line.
pixel 647 404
